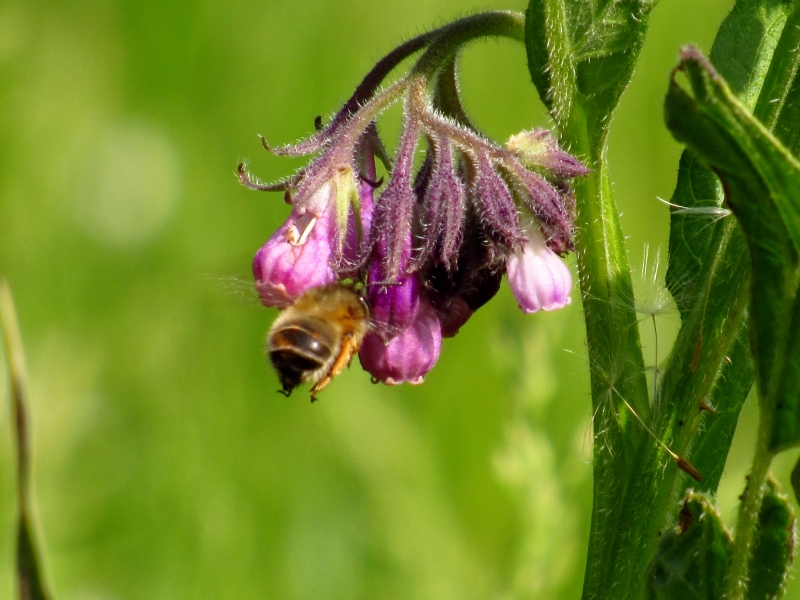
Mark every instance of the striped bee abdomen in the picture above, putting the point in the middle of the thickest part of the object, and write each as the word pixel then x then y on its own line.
pixel 300 349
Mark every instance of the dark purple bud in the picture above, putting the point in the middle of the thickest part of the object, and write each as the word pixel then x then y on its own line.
pixel 568 196
pixel 453 312
pixel 547 203
pixel 394 211
pixel 444 206
pixel 557 240
pixel 393 293
pixel 456 299
pixel 482 288
pixel 539 149
pixel 424 174
pixel 539 279
pixel 494 205
pixel 393 304
pixel 410 355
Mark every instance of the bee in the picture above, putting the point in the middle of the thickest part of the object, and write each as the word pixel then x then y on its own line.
pixel 314 339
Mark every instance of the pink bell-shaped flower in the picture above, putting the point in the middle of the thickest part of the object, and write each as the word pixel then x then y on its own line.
pixel 298 255
pixel 539 279
pixel 409 356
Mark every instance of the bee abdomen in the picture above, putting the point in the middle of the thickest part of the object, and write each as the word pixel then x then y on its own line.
pixel 298 350
pixel 292 368
pixel 305 339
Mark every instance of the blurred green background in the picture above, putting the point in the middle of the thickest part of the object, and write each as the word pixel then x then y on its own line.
pixel 166 466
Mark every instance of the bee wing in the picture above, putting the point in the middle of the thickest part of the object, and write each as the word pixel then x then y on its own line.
pixel 235 288
pixel 391 330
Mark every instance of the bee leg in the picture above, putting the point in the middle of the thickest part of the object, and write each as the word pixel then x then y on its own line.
pixel 349 349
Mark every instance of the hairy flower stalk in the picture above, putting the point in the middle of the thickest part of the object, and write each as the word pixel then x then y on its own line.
pixel 432 244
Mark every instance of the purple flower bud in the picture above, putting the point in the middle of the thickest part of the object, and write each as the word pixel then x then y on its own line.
pixel 394 291
pixel 538 148
pixel 444 204
pixel 453 313
pixel 551 207
pixel 410 355
pixel 297 256
pixel 456 301
pixel 539 279
pixel 393 305
pixel 394 211
pixel 494 205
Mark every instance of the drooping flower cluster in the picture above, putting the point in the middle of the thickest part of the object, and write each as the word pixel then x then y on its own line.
pixel 430 245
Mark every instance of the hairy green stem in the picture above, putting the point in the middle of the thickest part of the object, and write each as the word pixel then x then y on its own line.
pixel 617 371
pixel 452 37
pixel 736 584
pixel 447 41
pixel 615 356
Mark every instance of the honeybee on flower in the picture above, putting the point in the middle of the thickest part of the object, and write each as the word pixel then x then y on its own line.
pixel 428 248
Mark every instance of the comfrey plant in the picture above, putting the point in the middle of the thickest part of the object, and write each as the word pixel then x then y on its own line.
pixel 431 246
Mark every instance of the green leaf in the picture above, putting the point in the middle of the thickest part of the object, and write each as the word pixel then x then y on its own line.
pixel 778 106
pixel 711 445
pixel 692 233
pixel 743 49
pixel 762 180
pixel 709 261
pixel 584 51
pixel 742 52
pixel 692 557
pixel 773 547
